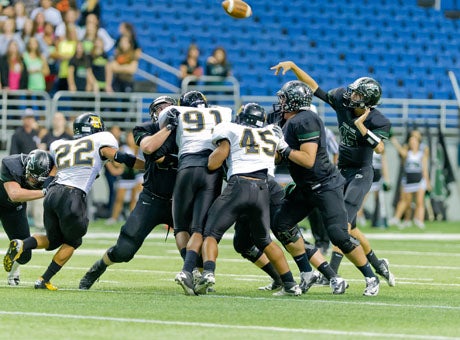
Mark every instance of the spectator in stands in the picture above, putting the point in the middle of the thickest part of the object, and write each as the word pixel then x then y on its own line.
pixel 37 66
pixel 64 6
pixel 64 52
pixel 51 14
pixel 89 7
pixel 217 64
pixel 20 15
pixel 50 50
pixel 13 73
pixel 127 183
pixel 90 38
pixel 120 72
pixel 39 23
pixel 99 63
pixel 416 179
pixel 101 32
pixel 57 131
pixel 191 65
pixel 112 170
pixel 79 68
pixel 28 32
pixel 70 18
pixel 126 29
pixel 9 34
pixel 25 138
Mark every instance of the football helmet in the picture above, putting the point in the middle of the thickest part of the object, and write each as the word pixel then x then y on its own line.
pixel 159 104
pixel 367 93
pixel 87 124
pixel 193 99
pixel 293 96
pixel 37 167
pixel 251 114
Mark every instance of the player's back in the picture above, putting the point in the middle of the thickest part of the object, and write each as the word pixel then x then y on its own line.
pixel 78 161
pixel 195 127
pixel 251 149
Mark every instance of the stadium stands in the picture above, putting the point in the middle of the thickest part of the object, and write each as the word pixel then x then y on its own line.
pixel 379 38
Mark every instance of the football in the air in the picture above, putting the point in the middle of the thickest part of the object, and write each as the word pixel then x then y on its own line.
pixel 237 8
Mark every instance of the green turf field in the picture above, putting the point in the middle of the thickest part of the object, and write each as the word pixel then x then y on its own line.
pixel 140 300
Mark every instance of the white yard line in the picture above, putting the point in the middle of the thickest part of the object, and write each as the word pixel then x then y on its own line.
pixel 226 326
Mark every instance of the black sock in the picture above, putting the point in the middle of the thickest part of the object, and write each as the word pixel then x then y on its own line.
pixel 302 263
pixel 209 266
pixel 199 262
pixel 270 270
pixel 336 258
pixel 183 252
pixel 325 269
pixel 190 261
pixel 367 270
pixel 373 259
pixel 287 277
pixel 30 243
pixel 53 268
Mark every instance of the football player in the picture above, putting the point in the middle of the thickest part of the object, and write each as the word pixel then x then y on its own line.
pixel 78 163
pixel 22 179
pixel 154 205
pixel 196 186
pixel 249 149
pixel 362 128
pixel 318 181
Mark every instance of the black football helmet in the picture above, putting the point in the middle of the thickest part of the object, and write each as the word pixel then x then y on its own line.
pixel 251 114
pixel 87 124
pixel 37 167
pixel 193 99
pixel 293 96
pixel 369 91
pixel 159 104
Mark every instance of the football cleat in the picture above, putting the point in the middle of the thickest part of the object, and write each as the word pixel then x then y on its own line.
pixel 13 275
pixel 207 281
pixel 41 284
pixel 196 276
pixel 289 288
pixel 185 280
pixel 12 254
pixel 384 271
pixel 93 274
pixel 274 285
pixel 372 286
pixel 322 281
pixel 307 279
pixel 338 285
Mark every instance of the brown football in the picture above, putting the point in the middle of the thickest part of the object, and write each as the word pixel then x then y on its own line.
pixel 237 8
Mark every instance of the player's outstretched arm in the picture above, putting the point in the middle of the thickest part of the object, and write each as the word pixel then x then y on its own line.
pixel 121 157
pixel 219 155
pixel 300 74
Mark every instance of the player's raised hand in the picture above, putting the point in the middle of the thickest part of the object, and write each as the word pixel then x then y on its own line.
pixel 284 65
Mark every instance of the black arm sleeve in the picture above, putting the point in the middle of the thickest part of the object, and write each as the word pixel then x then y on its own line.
pixel 321 94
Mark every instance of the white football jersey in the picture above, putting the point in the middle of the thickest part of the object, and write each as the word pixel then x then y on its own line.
pixel 78 161
pixel 251 149
pixel 195 126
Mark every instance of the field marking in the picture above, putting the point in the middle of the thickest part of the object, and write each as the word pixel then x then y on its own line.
pixel 229 236
pixel 228 326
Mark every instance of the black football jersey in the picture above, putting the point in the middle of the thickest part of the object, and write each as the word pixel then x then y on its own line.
pixel 307 127
pixel 12 170
pixel 354 151
pixel 159 178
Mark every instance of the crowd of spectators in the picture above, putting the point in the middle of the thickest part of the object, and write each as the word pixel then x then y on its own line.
pixel 54 45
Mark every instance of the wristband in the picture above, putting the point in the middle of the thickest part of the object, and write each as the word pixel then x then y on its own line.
pixel 372 139
pixel 286 152
pixel 125 158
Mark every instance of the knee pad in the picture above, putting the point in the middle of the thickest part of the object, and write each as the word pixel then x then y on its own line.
pixel 252 254
pixel 121 253
pixel 346 243
pixel 288 235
